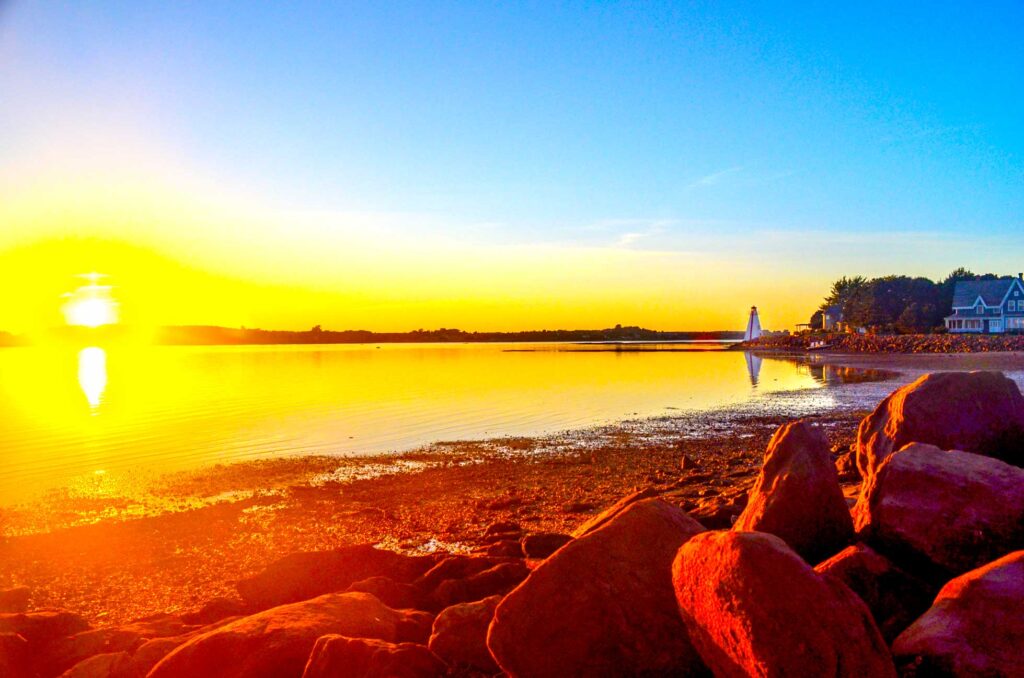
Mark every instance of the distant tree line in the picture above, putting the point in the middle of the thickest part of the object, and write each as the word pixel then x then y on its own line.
pixel 208 334
pixel 895 303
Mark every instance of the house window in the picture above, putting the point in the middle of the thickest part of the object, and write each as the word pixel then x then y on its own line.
pixel 1011 305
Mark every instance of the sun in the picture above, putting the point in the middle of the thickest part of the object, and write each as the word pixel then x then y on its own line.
pixel 91 305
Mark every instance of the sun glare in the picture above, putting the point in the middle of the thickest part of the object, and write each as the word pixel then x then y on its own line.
pixel 91 305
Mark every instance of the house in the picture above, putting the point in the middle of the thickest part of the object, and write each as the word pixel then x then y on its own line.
pixel 831 317
pixel 988 306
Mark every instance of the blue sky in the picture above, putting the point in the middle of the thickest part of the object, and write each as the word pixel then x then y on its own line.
pixel 877 136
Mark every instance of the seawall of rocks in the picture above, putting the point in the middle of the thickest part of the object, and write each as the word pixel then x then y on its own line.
pixel 922 575
pixel 899 343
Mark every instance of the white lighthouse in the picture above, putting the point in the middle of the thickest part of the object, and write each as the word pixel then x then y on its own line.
pixel 753 326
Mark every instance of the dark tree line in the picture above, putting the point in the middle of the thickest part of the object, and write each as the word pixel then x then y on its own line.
pixel 895 303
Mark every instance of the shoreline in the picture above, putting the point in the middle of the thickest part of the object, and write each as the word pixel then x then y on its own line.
pixel 113 571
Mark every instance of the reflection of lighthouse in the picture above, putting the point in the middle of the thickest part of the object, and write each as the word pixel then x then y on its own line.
pixel 753 326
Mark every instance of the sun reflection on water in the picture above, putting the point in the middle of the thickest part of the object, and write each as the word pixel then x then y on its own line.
pixel 92 375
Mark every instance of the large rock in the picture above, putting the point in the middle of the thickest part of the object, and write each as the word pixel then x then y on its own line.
pixel 69 651
pixel 895 597
pixel 109 665
pixel 980 412
pixel 602 605
pixel 940 513
pixel 42 626
pixel 15 600
pixel 460 634
pixel 277 642
pixel 498 580
pixel 615 509
pixel 974 628
pixel 797 495
pixel 335 655
pixel 15 655
pixel 301 576
pixel 754 607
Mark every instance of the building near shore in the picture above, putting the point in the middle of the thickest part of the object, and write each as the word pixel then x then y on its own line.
pixel 987 306
pixel 831 318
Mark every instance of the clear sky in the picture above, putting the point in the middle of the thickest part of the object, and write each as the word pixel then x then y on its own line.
pixel 394 165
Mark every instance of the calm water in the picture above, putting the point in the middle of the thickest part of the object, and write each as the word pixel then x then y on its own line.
pixel 69 414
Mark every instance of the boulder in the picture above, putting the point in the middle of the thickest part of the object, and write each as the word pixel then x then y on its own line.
pixel 752 606
pixel 336 655
pixel 216 609
pixel 393 594
pixel 974 628
pixel 895 597
pixel 455 567
pixel 277 642
pixel 67 652
pixel 797 496
pixel 505 548
pixel 109 665
pixel 544 544
pixel 301 576
pixel 42 626
pixel 940 514
pixel 615 509
pixel 498 580
pixel 142 660
pixel 846 467
pixel 460 635
pixel 602 604
pixel 980 412
pixel 15 600
pixel 15 655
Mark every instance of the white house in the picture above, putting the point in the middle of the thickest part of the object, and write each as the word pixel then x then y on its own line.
pixel 988 306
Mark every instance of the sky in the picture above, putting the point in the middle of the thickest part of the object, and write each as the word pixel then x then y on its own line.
pixel 500 166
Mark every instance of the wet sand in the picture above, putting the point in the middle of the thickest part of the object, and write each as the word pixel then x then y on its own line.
pixel 226 522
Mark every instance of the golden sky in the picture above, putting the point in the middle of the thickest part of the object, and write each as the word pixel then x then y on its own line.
pixel 175 259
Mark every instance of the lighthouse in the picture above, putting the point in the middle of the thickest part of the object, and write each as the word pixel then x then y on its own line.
pixel 753 326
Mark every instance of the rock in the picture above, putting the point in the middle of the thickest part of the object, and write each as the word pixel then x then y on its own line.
pixel 797 496
pixel 459 635
pixel 15 655
pixel 895 597
pixel 502 528
pixel 455 567
pixel 506 548
pixel 716 512
pixel 602 604
pixel 980 412
pixel 301 576
pixel 414 627
pixel 939 513
pixel 846 467
pixel 974 628
pixel 754 607
pixel 498 580
pixel 67 652
pixel 15 600
pixel 391 593
pixel 150 652
pixel 42 626
pixel 277 642
pixel 335 655
pixel 544 544
pixel 688 463
pixel 215 610
pixel 110 665
pixel 613 510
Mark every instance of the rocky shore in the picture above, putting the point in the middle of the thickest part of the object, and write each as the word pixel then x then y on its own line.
pixel 899 343
pixel 897 550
